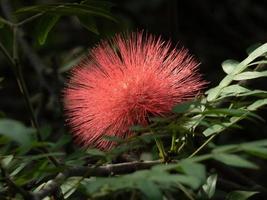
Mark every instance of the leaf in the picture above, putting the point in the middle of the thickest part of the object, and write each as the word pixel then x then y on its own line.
pixel 256 151
pixel 184 107
pixel 225 148
pixel 137 128
pixel 250 75
pixel 68 9
pixel 100 4
pixel 258 143
pixel 241 91
pixel 150 190
pixel 213 93
pixel 16 131
pixel 45 25
pixel 70 186
pixel 89 23
pixel 234 90
pixel 95 152
pixel 226 111
pixel 257 104
pixel 210 186
pixel 193 169
pixel 113 138
pixel 252 56
pixel 6 160
pixel 2 22
pixel 216 128
pixel 251 48
pixel 240 195
pixel 229 65
pixel 234 160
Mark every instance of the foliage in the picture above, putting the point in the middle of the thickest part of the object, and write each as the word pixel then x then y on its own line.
pixel 190 162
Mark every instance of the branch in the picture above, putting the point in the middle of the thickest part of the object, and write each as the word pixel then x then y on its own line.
pixel 11 184
pixel 101 171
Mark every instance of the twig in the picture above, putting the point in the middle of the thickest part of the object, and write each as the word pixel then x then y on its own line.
pixel 20 79
pixel 102 171
pixel 6 54
pixel 202 146
pixel 29 19
pixel 11 184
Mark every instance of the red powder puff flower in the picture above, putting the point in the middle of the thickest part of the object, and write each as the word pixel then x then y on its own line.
pixel 122 82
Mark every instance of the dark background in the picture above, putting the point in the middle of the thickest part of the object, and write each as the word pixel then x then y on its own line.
pixel 213 31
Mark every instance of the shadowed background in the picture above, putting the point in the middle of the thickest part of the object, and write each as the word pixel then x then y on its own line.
pixel 213 31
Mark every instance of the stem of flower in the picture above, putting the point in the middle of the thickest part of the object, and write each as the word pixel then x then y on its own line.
pixel 202 146
pixel 23 88
pixel 173 145
pixel 161 149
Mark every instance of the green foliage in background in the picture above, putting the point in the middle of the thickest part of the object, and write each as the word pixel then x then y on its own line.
pixel 173 167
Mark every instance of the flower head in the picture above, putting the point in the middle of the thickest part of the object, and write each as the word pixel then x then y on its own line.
pixel 122 82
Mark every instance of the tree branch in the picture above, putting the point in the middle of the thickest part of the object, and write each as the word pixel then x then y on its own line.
pixel 101 171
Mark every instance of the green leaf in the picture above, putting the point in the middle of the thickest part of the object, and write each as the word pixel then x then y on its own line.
pixel 238 91
pixel 95 152
pixel 193 169
pixel 150 190
pixel 184 107
pixel 252 56
pixel 45 25
pixel 251 48
pixel 257 104
pixel 213 93
pixel 113 138
pixel 256 151
pixel 89 23
pixel 257 143
pixel 99 3
pixel 210 186
pixel 250 75
pixel 137 128
pixel 216 128
pixel 16 131
pixel 225 148
pixel 225 111
pixel 6 160
pixel 234 160
pixel 234 90
pixel 2 22
pixel 68 9
pixel 70 186
pixel 240 195
pixel 229 65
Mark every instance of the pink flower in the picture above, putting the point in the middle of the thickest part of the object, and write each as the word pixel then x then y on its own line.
pixel 123 82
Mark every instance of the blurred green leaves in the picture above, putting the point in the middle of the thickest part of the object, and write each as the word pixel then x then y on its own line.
pixel 229 65
pixel 85 12
pixel 152 183
pixel 235 161
pixel 235 70
pixel 240 195
pixel 209 187
pixel 16 131
pixel 209 115
pixel 45 25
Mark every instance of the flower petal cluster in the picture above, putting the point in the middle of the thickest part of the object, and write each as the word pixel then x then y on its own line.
pixel 123 82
